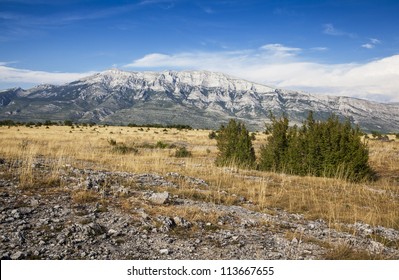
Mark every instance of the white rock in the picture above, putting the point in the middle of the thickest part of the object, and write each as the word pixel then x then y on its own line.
pixel 159 198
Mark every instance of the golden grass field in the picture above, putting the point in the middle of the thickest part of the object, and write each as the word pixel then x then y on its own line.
pixel 334 200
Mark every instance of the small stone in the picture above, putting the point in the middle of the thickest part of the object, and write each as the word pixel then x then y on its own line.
pixel 113 232
pixel 143 215
pixel 181 222
pixel 159 198
pixel 34 202
pixel 17 255
pixel 164 251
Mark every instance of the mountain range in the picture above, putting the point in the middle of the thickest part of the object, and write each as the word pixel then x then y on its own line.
pixel 200 99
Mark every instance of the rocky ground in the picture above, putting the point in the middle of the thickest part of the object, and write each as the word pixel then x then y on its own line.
pixel 113 215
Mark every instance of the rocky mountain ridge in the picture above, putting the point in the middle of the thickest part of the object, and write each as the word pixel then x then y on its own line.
pixel 201 99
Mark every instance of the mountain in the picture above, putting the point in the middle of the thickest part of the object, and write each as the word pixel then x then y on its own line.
pixel 197 98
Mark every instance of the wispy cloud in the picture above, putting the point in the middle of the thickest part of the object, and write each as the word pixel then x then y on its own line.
pixel 271 64
pixel 375 41
pixel 11 75
pixel 164 4
pixel 16 25
pixel 278 50
pixel 320 49
pixel 368 46
pixel 329 29
pixel 376 80
pixel 372 43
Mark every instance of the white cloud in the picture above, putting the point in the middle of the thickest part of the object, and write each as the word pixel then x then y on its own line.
pixel 368 46
pixel 329 29
pixel 10 75
pixel 376 80
pixel 272 64
pixel 375 41
pixel 320 49
pixel 279 50
pixel 371 45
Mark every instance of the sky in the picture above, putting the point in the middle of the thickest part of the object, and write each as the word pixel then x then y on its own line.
pixel 334 47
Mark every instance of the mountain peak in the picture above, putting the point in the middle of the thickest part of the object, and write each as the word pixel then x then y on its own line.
pixel 172 78
pixel 196 98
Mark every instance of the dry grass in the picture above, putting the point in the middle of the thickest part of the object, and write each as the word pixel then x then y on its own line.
pixel 335 200
pixel 82 197
pixel 346 252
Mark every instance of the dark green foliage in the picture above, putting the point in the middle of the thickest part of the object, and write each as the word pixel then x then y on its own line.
pixel 112 142
pixel 212 135
pixel 68 123
pixel 49 123
pixel 330 148
pixel 156 125
pixel 161 145
pixel 7 123
pixel 123 149
pixel 271 157
pixel 235 146
pixel 397 135
pixel 182 152
pixel 376 134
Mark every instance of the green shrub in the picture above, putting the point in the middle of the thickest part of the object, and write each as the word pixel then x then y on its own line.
pixel 68 123
pixel 182 152
pixel 212 135
pixel 123 149
pixel 161 145
pixel 235 146
pixel 330 148
pixel 376 134
pixel 112 142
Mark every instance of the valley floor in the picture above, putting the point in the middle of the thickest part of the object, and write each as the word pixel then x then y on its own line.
pixel 84 207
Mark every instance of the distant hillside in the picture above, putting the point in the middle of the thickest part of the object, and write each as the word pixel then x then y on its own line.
pixel 200 99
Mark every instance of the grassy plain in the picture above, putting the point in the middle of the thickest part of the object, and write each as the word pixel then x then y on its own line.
pixel 135 150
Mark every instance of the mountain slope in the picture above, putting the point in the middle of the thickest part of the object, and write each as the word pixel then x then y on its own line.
pixel 197 98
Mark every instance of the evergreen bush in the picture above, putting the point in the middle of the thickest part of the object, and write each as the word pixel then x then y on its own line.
pixel 320 148
pixel 182 152
pixel 235 146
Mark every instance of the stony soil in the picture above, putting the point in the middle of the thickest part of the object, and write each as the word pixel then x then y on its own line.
pixel 48 222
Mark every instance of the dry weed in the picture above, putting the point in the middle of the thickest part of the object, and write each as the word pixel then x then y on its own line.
pixel 335 200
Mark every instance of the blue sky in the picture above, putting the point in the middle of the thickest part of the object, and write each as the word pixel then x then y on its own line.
pixel 330 47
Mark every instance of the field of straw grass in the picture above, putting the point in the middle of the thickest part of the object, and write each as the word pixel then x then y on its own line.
pixel 136 150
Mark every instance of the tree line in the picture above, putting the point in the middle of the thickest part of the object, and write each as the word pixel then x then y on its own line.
pixel 71 123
